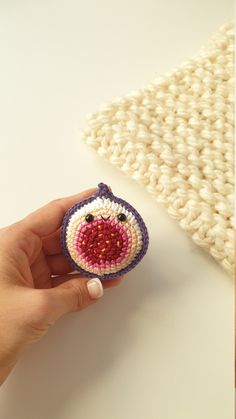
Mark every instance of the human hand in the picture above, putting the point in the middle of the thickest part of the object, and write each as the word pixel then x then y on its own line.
pixel 36 283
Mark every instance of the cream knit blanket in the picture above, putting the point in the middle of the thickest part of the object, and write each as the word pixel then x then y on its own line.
pixel 175 137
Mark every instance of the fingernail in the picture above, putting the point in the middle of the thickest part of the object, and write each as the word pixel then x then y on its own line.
pixel 95 288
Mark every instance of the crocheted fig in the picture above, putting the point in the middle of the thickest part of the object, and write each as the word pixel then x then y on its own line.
pixel 103 235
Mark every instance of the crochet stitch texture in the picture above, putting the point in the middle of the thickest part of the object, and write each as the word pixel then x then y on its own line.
pixel 175 137
pixel 103 235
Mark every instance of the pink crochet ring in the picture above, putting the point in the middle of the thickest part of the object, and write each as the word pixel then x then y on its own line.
pixel 103 235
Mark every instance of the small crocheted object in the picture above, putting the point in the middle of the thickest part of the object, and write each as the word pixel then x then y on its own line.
pixel 176 138
pixel 103 235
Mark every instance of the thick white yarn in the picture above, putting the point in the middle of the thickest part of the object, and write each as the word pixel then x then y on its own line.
pixel 175 137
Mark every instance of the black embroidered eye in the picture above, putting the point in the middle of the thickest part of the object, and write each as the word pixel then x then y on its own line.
pixel 89 218
pixel 121 217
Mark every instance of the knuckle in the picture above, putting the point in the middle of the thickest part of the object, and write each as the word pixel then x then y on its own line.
pixel 55 201
pixel 11 232
pixel 79 295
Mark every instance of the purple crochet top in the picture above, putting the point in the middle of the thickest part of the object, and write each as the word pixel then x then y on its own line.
pixel 103 236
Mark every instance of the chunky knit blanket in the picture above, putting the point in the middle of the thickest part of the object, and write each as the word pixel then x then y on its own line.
pixel 175 137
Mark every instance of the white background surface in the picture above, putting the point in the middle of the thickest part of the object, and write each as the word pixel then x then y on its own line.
pixel 160 346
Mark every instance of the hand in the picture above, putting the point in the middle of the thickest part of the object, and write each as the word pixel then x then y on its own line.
pixel 36 283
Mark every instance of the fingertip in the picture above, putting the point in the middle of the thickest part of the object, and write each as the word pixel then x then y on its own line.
pixel 95 288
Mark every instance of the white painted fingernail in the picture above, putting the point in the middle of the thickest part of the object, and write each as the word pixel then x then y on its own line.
pixel 95 288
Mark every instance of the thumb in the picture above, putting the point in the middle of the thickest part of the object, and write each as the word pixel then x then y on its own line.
pixel 73 295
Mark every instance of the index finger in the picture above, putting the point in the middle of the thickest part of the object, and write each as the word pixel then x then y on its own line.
pixel 47 219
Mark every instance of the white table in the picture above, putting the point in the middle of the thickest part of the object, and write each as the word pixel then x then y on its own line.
pixel 160 346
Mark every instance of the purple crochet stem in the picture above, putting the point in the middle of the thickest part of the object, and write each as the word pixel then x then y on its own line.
pixel 105 191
